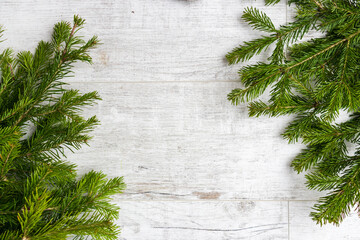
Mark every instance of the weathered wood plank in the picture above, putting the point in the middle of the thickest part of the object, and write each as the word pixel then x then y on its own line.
pixel 302 227
pixel 179 141
pixel 158 40
pixel 186 141
pixel 210 220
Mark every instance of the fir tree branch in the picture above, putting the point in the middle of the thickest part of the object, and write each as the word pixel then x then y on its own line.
pixel 311 93
pixel 318 53
pixel 328 210
pixel 52 78
pixel 11 71
pixel 17 108
pixel 343 9
pixel 258 20
pixel 41 197
pixel 323 51
pixel 318 4
pixel 67 43
pixel 254 47
pixel 5 161
pixel 317 81
pixel 271 2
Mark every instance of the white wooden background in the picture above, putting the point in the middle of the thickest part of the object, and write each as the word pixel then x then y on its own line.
pixel 196 166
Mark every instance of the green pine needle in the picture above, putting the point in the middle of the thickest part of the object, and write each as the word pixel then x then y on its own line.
pixel 41 196
pixel 313 80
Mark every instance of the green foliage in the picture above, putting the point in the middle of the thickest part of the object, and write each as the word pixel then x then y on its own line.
pixel 313 80
pixel 41 197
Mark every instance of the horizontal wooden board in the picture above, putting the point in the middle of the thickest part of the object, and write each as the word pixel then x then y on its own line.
pixel 186 141
pixel 178 220
pixel 157 40
pixel 302 227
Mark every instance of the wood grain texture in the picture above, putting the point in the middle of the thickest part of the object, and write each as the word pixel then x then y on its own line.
pixel 156 40
pixel 196 167
pixel 186 141
pixel 302 227
pixel 210 220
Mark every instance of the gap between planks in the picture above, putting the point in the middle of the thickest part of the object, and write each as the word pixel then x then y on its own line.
pixel 140 82
pixel 288 205
pixel 210 200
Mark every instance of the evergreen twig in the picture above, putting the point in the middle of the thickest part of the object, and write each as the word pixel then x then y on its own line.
pixel 40 195
pixel 314 81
